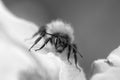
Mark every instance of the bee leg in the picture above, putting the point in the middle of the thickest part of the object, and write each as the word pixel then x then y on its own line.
pixel 57 42
pixel 41 31
pixel 46 41
pixel 68 55
pixel 53 40
pixel 75 47
pixel 76 64
pixel 75 58
pixel 36 41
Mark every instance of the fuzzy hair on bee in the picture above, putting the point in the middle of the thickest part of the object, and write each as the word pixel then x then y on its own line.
pixel 60 36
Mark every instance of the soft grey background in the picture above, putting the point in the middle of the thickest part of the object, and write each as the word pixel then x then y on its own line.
pixel 96 22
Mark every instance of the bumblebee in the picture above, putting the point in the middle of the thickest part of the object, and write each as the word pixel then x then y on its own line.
pixel 60 36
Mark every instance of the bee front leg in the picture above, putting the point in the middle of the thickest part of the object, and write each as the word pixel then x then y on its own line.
pixel 46 41
pixel 76 64
pixel 75 58
pixel 68 55
pixel 36 41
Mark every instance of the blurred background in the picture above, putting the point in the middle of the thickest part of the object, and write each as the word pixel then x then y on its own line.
pixel 96 22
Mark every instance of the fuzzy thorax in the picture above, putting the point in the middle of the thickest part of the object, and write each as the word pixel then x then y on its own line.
pixel 59 26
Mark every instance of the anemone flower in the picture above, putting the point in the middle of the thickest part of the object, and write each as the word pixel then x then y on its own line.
pixel 18 63
pixel 109 68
